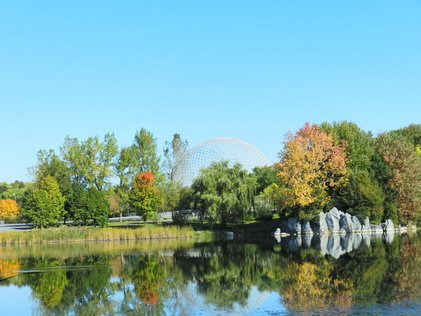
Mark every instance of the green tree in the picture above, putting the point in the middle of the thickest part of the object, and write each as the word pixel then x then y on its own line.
pixel 125 170
pixel 96 208
pixel 175 153
pixel 171 193
pixel 265 176
pixel 362 194
pixel 76 202
pixel 223 193
pixel 45 206
pixel 146 153
pixel 125 166
pixel 411 133
pixel 184 206
pixel 274 198
pixel 14 191
pixel 89 207
pixel 359 144
pixel 73 156
pixel 144 196
pixel 90 161
pixel 383 175
pixel 50 164
pixel 263 206
pixel 174 156
pixel 3 187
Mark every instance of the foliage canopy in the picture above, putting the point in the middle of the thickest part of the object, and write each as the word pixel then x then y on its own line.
pixel 223 194
pixel 311 166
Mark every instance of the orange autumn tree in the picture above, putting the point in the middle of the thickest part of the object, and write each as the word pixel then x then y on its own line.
pixel 9 209
pixel 144 196
pixel 311 167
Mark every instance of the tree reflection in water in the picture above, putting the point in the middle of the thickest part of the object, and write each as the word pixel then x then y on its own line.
pixel 225 276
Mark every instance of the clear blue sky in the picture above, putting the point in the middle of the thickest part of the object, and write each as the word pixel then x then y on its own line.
pixel 246 69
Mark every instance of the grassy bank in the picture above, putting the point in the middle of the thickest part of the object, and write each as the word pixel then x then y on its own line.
pixel 80 249
pixel 87 234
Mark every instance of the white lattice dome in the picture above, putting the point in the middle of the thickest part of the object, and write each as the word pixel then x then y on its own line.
pixel 219 149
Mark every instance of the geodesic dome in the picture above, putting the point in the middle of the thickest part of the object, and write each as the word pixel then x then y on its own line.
pixel 219 149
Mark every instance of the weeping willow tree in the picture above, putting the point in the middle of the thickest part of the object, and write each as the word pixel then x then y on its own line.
pixel 223 194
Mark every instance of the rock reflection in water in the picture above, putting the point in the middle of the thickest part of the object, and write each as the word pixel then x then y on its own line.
pixel 334 245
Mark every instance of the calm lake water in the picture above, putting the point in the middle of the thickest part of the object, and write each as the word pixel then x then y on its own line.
pixel 358 275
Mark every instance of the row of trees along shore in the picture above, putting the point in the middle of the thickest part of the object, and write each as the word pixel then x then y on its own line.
pixel 320 166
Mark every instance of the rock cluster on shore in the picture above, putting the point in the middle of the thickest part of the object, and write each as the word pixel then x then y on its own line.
pixel 337 222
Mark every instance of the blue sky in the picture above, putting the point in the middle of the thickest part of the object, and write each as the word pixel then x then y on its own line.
pixel 246 69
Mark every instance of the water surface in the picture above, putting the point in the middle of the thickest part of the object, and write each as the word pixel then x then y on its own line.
pixel 357 275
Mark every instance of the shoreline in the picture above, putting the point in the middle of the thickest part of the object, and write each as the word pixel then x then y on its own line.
pixel 65 234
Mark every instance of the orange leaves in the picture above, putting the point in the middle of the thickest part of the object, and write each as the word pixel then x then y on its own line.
pixel 311 165
pixel 8 209
pixel 8 268
pixel 144 178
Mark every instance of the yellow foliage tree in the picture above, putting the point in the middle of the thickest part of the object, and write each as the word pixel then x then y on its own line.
pixel 311 166
pixel 9 209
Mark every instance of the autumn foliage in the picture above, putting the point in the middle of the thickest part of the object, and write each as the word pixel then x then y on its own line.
pixel 145 178
pixel 311 166
pixel 144 196
pixel 405 179
pixel 8 209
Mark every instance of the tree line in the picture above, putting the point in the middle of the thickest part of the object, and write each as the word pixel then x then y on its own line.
pixel 320 166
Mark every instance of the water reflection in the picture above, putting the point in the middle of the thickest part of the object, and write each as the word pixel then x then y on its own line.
pixel 300 274
pixel 334 245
